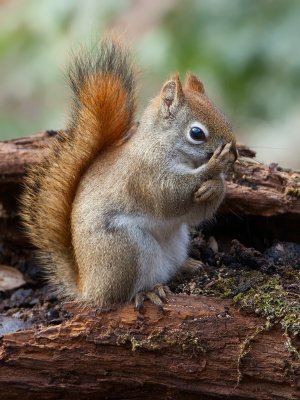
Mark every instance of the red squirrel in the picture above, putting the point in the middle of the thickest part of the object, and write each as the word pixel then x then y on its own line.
pixel 109 207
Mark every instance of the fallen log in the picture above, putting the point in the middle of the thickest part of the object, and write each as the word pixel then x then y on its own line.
pixel 197 347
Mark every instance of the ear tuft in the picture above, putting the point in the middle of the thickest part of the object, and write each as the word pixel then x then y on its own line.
pixel 193 83
pixel 171 96
pixel 168 92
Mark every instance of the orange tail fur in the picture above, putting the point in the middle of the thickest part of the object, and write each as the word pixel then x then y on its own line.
pixel 103 86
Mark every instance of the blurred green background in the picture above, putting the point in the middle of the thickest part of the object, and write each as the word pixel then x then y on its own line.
pixel 246 52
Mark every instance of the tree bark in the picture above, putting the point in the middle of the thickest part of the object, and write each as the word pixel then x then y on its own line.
pixel 197 348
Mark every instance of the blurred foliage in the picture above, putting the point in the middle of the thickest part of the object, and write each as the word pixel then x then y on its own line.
pixel 246 52
pixel 248 47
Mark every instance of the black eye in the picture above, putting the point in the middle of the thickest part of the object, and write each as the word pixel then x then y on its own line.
pixel 197 134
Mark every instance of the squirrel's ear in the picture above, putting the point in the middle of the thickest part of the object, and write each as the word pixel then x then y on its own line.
pixel 193 83
pixel 171 96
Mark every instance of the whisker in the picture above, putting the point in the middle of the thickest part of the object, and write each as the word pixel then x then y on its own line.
pixel 255 160
pixel 268 147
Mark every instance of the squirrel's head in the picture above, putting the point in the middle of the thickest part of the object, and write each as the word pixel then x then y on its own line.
pixel 184 119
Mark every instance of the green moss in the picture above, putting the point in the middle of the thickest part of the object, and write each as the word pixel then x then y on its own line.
pixel 291 274
pixel 270 300
pixel 266 295
pixel 224 286
pixel 291 348
pixel 163 338
pixel 228 286
pixel 293 191
pixel 246 345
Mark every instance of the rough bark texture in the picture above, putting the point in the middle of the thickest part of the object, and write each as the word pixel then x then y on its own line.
pixel 257 189
pixel 197 348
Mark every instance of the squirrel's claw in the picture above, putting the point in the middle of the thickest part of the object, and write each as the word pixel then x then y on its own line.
pixel 158 295
pixel 206 192
pixel 213 187
pixel 139 301
pixel 154 298
pixel 209 190
pixel 220 159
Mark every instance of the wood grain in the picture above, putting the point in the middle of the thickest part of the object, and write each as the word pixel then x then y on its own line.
pixel 197 348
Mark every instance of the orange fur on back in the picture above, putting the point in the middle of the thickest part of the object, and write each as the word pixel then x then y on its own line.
pixel 103 109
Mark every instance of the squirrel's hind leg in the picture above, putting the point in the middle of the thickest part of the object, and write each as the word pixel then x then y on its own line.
pixel 108 267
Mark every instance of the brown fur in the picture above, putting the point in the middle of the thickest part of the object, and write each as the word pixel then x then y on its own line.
pixel 194 84
pixel 99 84
pixel 207 112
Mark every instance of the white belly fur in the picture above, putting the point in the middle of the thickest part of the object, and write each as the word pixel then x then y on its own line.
pixel 163 248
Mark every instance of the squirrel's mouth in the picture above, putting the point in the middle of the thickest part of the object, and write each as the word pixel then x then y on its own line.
pixel 209 155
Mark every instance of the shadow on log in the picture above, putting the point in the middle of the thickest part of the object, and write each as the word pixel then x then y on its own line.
pixel 196 348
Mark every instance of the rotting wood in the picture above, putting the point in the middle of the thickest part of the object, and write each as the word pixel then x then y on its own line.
pixel 198 348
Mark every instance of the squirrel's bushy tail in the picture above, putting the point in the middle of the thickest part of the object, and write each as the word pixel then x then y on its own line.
pixel 103 86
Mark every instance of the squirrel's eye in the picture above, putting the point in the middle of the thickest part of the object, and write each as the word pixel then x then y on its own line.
pixel 197 133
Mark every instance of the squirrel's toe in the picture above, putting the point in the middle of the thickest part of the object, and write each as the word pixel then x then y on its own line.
pixel 158 295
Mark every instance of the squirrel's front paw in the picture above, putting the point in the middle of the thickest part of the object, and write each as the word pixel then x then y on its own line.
pixel 210 190
pixel 158 295
pixel 221 158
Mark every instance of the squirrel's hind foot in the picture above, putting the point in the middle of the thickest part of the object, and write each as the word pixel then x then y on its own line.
pixel 191 266
pixel 158 296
